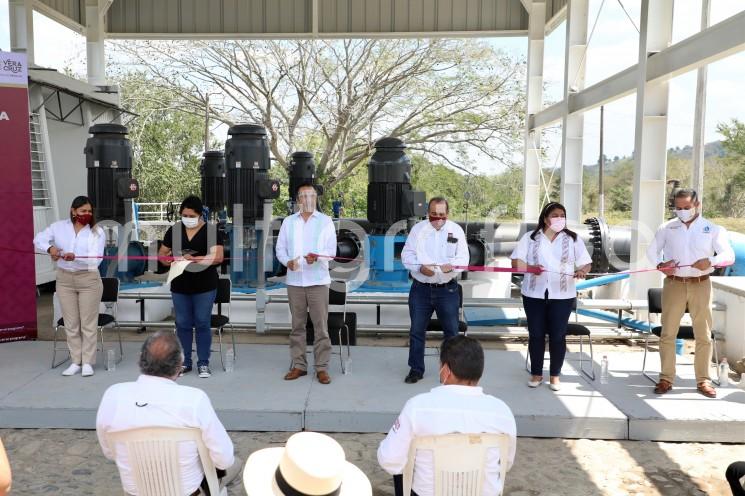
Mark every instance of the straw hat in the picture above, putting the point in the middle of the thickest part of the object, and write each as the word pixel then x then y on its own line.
pixel 310 464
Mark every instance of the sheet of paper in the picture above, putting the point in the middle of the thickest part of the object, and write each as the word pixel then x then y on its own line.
pixel 177 268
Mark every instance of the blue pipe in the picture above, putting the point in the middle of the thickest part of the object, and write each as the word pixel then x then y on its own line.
pixel 600 281
pixel 638 325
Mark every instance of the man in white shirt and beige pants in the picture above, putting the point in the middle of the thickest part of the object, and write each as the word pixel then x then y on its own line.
pixel 691 248
pixel 302 237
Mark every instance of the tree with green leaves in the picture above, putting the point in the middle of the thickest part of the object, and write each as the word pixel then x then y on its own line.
pixel 167 143
pixel 734 144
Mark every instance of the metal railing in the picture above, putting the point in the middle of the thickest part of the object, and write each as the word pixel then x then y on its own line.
pixel 151 212
pixel 39 165
pixel 402 299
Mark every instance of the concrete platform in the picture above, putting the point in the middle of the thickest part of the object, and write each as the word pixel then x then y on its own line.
pixel 255 398
pixel 680 415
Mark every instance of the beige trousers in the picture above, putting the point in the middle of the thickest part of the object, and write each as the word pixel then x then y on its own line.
pixel 313 300
pixel 675 296
pixel 79 295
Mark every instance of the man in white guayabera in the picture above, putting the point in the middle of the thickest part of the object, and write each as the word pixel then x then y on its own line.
pixel 302 238
pixel 691 247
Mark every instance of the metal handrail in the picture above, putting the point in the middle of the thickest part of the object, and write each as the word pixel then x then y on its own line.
pixel 403 299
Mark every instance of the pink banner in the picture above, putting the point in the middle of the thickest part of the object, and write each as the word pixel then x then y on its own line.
pixel 17 273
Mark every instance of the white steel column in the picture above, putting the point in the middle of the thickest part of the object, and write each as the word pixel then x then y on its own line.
pixel 21 14
pixel 572 125
pixel 699 114
pixel 95 38
pixel 650 144
pixel 532 171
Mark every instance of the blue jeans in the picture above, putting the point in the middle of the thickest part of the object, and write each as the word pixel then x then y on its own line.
pixel 193 312
pixel 423 300
pixel 546 316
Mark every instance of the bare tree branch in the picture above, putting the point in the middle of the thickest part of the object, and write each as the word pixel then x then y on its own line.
pixel 335 98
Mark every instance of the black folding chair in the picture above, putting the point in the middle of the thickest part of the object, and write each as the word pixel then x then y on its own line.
pixel 220 321
pixel 110 298
pixel 578 330
pixel 654 301
pixel 338 322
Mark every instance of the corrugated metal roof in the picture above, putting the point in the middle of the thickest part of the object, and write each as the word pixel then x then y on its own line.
pixel 411 16
pixel 184 18
pixel 72 9
pixel 553 7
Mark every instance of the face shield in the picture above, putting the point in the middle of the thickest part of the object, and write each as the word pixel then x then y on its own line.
pixel 306 200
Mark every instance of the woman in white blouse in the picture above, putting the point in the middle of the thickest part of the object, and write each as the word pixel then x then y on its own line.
pixel 77 245
pixel 559 256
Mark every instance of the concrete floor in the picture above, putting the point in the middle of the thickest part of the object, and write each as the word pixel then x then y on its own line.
pixel 255 398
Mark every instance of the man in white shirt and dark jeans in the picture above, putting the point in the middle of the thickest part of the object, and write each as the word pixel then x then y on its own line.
pixel 433 250
pixel 302 237
pixel 459 405
pixel 155 400
pixel 691 248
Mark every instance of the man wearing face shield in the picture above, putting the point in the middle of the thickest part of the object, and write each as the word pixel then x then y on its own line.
pixel 302 237
pixel 691 247
pixel 433 247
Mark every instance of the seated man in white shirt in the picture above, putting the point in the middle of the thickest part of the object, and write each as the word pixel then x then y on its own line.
pixel 155 400
pixel 459 405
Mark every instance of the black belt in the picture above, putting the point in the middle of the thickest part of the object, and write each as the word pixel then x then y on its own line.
pixel 436 285
pixel 288 490
pixel 703 278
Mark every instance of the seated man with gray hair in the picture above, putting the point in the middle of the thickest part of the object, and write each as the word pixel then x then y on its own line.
pixel 155 400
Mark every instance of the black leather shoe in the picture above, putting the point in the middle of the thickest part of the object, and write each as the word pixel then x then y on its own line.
pixel 413 377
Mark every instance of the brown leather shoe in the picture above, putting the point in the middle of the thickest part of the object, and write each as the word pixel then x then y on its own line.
pixel 663 386
pixel 323 377
pixel 294 374
pixel 706 389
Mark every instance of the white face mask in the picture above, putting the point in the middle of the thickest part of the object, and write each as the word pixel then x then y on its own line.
pixel 557 224
pixel 685 215
pixel 190 222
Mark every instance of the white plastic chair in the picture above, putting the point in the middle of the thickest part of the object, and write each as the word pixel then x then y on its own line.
pixel 153 454
pixel 459 462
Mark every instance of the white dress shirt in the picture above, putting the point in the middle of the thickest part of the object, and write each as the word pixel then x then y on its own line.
pixel 163 404
pixel 446 410
pixel 560 258
pixel 686 245
pixel 426 245
pixel 86 243
pixel 297 238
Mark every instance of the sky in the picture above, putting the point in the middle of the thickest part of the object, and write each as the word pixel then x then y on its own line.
pixel 613 47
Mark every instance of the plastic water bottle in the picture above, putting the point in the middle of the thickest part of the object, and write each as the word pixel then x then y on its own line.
pixel 348 366
pixel 724 373
pixel 230 360
pixel 110 360
pixel 604 370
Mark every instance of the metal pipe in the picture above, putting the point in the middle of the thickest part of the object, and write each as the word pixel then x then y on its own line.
pixel 600 281
pixel 601 168
pixel 599 329
pixel 362 299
